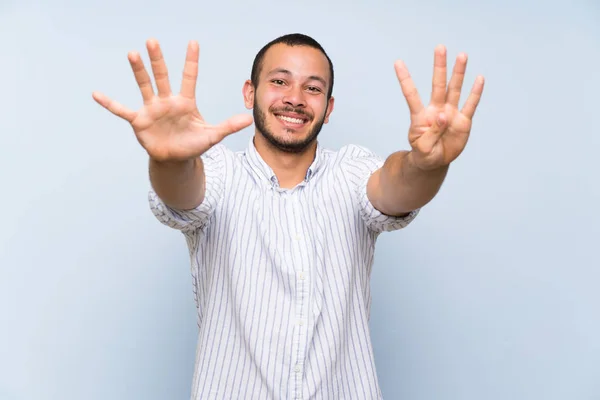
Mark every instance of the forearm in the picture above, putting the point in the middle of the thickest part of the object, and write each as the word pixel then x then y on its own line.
pixel 180 185
pixel 400 186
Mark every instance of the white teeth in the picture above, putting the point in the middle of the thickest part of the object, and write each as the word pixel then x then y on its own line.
pixel 292 120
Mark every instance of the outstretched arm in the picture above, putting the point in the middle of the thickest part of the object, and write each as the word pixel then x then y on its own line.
pixel 171 129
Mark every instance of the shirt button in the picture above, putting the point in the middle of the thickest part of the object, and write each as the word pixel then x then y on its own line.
pixel 297 237
pixel 298 369
pixel 300 322
pixel 301 276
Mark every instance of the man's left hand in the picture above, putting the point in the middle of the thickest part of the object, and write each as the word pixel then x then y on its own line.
pixel 439 132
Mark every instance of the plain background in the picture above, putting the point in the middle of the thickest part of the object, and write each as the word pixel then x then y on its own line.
pixel 493 291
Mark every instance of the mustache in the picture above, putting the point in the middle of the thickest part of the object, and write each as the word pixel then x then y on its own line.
pixel 293 110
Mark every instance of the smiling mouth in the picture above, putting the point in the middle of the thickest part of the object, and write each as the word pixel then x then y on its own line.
pixel 292 121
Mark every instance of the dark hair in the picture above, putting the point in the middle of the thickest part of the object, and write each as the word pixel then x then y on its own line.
pixel 292 39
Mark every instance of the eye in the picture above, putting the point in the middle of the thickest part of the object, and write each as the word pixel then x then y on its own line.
pixel 277 81
pixel 314 89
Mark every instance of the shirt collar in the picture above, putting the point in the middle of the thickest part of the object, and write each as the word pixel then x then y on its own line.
pixel 260 167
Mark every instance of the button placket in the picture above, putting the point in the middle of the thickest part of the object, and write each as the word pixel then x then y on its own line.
pixel 299 259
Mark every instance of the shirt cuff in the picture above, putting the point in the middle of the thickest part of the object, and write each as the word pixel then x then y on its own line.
pixel 375 219
pixel 199 217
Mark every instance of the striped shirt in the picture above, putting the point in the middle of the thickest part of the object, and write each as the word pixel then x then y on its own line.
pixel 281 276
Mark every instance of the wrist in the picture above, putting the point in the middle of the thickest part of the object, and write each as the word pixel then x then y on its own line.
pixel 174 163
pixel 415 162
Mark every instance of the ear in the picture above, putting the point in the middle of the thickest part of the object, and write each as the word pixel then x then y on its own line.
pixel 329 109
pixel 248 91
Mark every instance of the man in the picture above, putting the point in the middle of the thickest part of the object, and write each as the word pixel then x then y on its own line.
pixel 282 235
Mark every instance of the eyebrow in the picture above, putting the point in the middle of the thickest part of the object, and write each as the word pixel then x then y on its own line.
pixel 287 72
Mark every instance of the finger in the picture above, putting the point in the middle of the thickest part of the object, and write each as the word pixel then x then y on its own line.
pixel 438 90
pixel 159 68
pixel 190 71
pixel 232 125
pixel 456 81
pixel 114 107
pixel 470 106
pixel 408 88
pixel 141 76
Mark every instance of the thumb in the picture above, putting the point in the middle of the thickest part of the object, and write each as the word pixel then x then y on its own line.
pixel 428 140
pixel 439 124
pixel 232 125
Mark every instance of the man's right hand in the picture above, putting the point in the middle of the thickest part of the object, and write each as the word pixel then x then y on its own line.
pixel 169 126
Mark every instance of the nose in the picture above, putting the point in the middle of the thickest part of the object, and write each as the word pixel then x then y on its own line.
pixel 295 97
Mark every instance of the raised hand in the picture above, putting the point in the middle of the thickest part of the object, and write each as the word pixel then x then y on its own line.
pixel 169 126
pixel 439 132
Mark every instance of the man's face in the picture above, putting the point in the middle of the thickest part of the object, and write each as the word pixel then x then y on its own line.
pixel 290 102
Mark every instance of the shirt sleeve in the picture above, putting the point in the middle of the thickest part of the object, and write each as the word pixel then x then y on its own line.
pixel 361 164
pixel 199 217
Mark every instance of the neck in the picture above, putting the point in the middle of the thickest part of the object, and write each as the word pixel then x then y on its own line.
pixel 289 168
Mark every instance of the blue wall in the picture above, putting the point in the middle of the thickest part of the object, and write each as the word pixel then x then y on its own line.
pixel 492 293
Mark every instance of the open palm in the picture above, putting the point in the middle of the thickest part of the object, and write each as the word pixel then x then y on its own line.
pixel 439 132
pixel 169 126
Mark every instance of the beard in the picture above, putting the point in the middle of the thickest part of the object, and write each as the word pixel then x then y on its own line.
pixel 288 146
